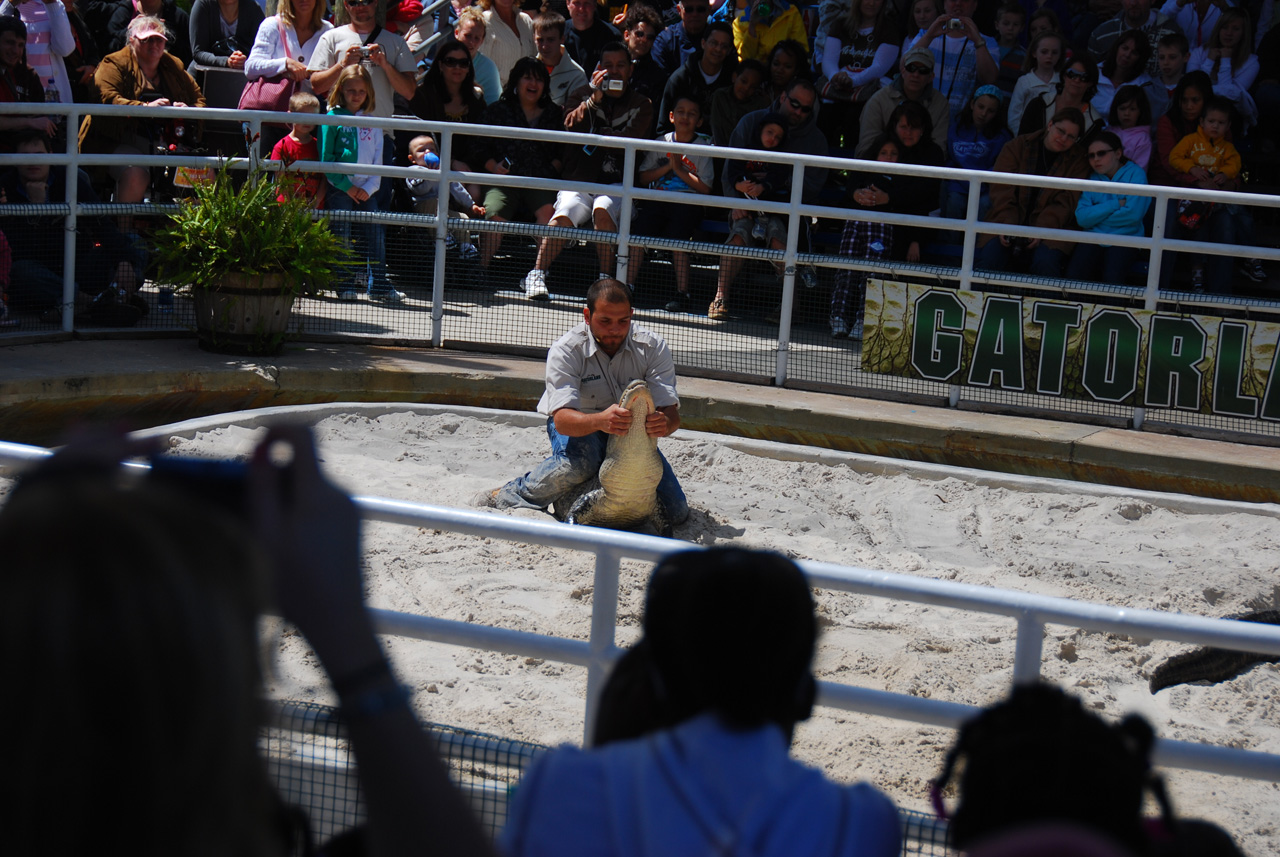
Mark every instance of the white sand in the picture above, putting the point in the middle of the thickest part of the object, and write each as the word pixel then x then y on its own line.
pixel 1099 549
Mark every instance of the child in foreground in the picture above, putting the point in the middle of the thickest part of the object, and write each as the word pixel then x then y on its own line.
pixel 300 145
pixel 425 191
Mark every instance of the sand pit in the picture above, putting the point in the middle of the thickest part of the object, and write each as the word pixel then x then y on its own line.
pixel 1086 545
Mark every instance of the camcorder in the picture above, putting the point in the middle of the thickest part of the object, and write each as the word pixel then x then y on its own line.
pixel 220 482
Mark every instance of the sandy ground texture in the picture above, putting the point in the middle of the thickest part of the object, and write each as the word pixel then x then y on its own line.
pixel 1134 551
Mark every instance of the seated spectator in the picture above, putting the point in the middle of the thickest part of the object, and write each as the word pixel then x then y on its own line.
pixel 1125 64
pixel 765 23
pixel 973 143
pixel 1101 772
pixel 598 110
pixel 49 40
pixel 424 188
pixel 1134 15
pixel 1109 214
pixel 1055 152
pixel 508 34
pixel 1208 160
pixel 1046 57
pixel 915 83
pixel 525 103
pixel 18 81
pixel 1228 58
pixel 84 57
pixel 1130 120
pixel 788 61
pixel 470 29
pixel 701 77
pixel 861 48
pixel 745 95
pixel 1172 54
pixel 565 75
pixel 923 14
pixel 1196 18
pixel 706 703
pixel 1078 85
pixel 300 144
pixel 587 34
pixel 176 21
pixel 639 29
pixel 679 170
pixel 143 72
pixel 1266 92
pixel 765 181
pixel 223 31
pixel 1182 118
pixel 964 58
pixel 448 93
pixel 1011 57
pixel 159 627
pixel 678 43
pixel 103 256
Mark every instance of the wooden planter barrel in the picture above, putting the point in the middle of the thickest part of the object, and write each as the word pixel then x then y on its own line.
pixel 245 314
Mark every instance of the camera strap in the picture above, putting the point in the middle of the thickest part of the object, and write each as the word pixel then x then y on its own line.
pixel 372 37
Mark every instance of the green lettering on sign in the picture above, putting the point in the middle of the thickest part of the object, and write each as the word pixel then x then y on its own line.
pixel 998 349
pixel 1271 398
pixel 1111 356
pixel 1056 322
pixel 1228 372
pixel 1176 346
pixel 937 341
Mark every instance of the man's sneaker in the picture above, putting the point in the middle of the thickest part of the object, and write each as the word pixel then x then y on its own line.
pixel 1197 280
pixel 839 329
pixel 808 276
pixel 390 297
pixel 1252 268
pixel 467 252
pixel 348 295
pixel 855 332
pixel 535 286
pixel 677 304
pixel 450 243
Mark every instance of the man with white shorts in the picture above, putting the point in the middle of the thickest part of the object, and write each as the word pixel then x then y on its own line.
pixel 606 106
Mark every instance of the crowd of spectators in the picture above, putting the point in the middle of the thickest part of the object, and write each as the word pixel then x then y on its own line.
pixel 1047 79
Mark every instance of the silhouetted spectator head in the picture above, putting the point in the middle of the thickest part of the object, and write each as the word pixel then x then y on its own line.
pixel 1082 77
pixel 787 60
pixel 1127 56
pixel 128 627
pixel 725 630
pixel 1040 757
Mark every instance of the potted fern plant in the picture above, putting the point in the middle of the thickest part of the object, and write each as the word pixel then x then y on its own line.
pixel 244 257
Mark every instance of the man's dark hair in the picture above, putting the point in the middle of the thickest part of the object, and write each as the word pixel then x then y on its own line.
pixel 642 14
pixel 22 136
pixel 805 84
pixel 610 291
pixel 615 48
pixel 718 27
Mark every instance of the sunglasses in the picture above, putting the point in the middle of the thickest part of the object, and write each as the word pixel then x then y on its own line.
pixel 801 106
pixel 351 3
pixel 1098 153
pixel 644 34
pixel 1072 74
pixel 455 62
pixel 697 10
pixel 916 68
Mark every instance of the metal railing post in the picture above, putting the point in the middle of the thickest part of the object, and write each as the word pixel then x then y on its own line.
pixel 441 236
pixel 970 232
pixel 69 227
pixel 789 273
pixel 622 269
pixel 604 622
pixel 1029 649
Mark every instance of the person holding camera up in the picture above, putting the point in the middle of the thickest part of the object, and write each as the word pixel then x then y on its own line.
pixel 1054 152
pixel 606 106
pixel 964 58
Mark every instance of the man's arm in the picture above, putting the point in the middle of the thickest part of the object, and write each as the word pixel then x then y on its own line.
pixel 614 419
pixel 398 66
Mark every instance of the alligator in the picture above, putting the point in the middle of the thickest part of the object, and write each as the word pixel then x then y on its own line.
pixel 1210 664
pixel 624 495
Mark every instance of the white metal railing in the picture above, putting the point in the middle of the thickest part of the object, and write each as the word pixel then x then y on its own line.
pixel 1031 613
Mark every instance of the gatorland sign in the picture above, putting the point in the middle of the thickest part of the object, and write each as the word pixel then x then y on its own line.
pixel 1075 350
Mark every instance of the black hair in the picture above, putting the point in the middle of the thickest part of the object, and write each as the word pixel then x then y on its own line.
pixel 771 118
pixel 997 123
pixel 1218 104
pixel 608 290
pixel 13 24
pixel 22 136
pixel 526 66
pixel 642 13
pixel 1090 76
pixel 733 631
pixel 616 47
pixel 753 65
pixel 1040 756
pixel 1141 43
pixel 1175 40
pixel 1197 80
pixel 917 117
pixel 717 27
pixel 1112 140
pixel 798 52
pixel 1124 95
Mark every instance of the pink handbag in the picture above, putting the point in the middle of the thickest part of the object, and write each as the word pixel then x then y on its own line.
pixel 270 93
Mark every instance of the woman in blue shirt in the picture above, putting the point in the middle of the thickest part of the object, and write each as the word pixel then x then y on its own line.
pixel 1109 213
